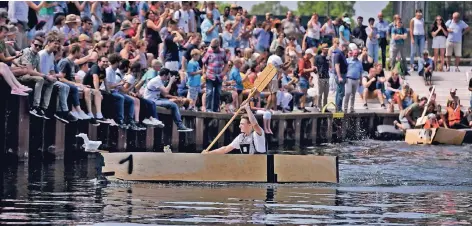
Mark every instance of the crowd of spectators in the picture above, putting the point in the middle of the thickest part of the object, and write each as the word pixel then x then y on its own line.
pixel 127 58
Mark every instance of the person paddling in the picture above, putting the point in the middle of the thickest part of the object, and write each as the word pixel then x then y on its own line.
pixel 250 141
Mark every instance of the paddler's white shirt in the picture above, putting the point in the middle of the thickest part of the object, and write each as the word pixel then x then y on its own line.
pixel 259 142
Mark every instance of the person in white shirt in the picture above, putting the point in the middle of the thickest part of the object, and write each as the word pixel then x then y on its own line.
pixel 182 17
pixel 250 141
pixel 155 87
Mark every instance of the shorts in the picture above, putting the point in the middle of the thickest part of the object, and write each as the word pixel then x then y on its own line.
pixel 405 123
pixel 372 94
pixel 273 86
pixel 439 42
pixel 454 48
pixel 193 92
pixel 265 114
pixel 172 65
pixel 303 83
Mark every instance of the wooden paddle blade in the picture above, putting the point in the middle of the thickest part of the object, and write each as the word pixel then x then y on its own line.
pixel 265 77
pixel 421 121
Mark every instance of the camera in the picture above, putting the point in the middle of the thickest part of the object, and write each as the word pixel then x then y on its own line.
pixel 176 74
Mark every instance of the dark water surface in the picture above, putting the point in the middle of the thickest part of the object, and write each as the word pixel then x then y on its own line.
pixel 387 183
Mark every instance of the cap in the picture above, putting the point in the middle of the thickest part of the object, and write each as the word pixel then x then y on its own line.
pixel 125 25
pixel 347 20
pixel 452 90
pixel 12 29
pixel 275 60
pixel 431 116
pixel 353 46
pixel 309 51
pixel 84 37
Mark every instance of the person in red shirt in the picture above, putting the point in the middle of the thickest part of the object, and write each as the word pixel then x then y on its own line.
pixel 305 68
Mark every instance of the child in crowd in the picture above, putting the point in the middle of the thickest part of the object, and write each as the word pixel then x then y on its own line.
pixel 194 73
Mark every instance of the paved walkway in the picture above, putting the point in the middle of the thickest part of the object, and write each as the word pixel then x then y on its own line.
pixel 444 81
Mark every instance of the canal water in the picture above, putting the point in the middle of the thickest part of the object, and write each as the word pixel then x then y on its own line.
pixel 381 183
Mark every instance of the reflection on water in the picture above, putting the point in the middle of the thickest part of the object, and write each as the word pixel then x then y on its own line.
pixel 381 183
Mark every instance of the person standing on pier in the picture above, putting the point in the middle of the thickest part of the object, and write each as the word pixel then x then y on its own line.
pixel 340 65
pixel 250 141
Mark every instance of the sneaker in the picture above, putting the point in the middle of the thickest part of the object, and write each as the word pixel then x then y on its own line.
pixel 157 123
pixel 83 115
pixel 133 126
pixel 383 106
pixel 36 111
pixel 45 116
pixel 182 128
pixel 26 89
pixel 365 106
pixel 61 116
pixel 94 122
pixel 110 122
pixel 148 122
pixel 18 92
pixel 105 121
pixel 75 114
pixel 122 125
pixel 71 117
pixel 141 126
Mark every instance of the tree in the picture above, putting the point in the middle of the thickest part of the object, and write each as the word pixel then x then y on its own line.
pixel 269 7
pixel 222 5
pixel 387 12
pixel 325 8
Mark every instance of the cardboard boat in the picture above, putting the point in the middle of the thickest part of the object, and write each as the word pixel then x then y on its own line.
pixel 435 136
pixel 186 167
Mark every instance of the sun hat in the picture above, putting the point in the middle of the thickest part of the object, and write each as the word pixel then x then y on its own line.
pixel 71 18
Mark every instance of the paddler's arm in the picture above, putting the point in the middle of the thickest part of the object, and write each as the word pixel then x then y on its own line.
pixel 222 150
pixel 253 120
pixel 408 117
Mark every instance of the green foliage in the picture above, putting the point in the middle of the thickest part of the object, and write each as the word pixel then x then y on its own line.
pixel 387 12
pixel 336 9
pixel 265 7
pixel 222 5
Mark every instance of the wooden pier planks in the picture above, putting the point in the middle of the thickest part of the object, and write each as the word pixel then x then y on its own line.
pixel 145 166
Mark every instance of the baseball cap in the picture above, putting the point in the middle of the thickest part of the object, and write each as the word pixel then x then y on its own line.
pixel 275 60
pixel 309 51
pixel 347 20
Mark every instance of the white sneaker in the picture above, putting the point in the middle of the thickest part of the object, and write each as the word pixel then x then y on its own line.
pixel 157 123
pixel 148 122
pixel 83 115
pixel 99 115
pixel 75 114
pixel 111 122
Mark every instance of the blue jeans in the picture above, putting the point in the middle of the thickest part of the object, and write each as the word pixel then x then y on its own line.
pixel 165 103
pixel 213 91
pixel 340 91
pixel 73 95
pixel 373 51
pixel 121 102
pixel 148 108
pixel 303 83
pixel 63 92
pixel 389 93
pixel 419 43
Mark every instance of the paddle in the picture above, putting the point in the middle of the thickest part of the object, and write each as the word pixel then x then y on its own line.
pixel 422 120
pixel 261 82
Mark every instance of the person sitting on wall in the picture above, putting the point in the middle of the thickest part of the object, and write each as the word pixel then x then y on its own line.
pixel 409 116
pixel 250 141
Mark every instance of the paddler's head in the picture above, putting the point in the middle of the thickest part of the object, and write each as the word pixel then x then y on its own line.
pixel 423 101
pixel 245 125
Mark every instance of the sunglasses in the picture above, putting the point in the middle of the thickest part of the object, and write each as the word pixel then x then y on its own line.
pixel 214 47
pixel 38 45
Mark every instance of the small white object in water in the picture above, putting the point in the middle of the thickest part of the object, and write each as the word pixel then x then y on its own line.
pixel 89 145
pixel 167 149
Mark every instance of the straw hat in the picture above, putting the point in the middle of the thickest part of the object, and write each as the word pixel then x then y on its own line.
pixel 71 18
